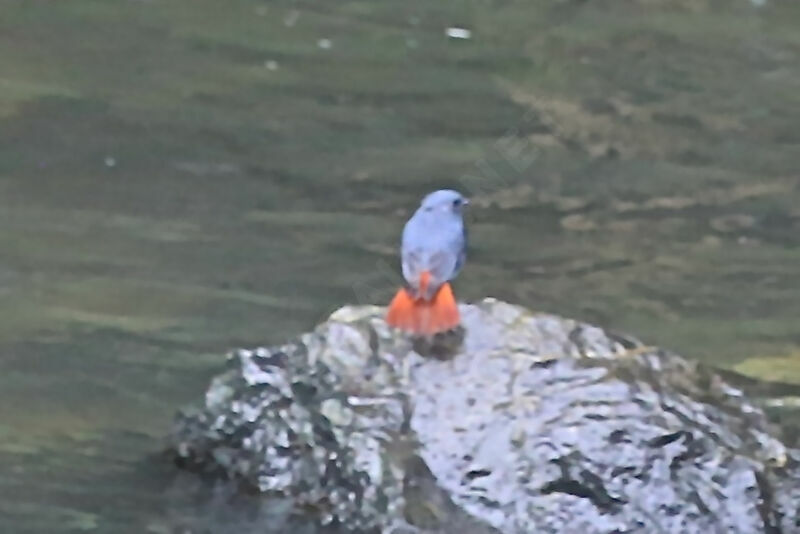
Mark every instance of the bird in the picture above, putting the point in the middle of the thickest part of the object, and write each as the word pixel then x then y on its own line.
pixel 433 251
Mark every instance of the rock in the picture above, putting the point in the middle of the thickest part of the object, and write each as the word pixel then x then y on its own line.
pixel 518 423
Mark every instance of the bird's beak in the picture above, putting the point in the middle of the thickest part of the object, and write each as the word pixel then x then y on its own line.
pixel 465 202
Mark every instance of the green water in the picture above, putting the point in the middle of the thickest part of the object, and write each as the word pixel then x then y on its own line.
pixel 180 177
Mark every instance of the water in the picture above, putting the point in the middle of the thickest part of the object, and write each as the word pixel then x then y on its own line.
pixel 180 177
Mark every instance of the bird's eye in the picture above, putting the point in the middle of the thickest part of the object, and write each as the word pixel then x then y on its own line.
pixel 457 202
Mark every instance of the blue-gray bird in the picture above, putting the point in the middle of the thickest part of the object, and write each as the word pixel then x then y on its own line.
pixel 433 253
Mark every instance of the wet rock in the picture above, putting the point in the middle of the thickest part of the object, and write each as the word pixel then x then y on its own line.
pixel 518 423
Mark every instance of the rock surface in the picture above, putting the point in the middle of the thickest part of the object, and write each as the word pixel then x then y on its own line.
pixel 520 423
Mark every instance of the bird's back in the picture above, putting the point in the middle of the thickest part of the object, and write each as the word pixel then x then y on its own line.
pixel 433 242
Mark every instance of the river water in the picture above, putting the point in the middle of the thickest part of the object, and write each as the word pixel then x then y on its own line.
pixel 182 177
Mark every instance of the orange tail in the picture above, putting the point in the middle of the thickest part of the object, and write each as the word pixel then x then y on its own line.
pixel 424 317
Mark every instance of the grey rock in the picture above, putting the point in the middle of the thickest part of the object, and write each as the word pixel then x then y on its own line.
pixel 518 423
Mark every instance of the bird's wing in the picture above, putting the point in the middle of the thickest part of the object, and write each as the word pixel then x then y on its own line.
pixel 441 265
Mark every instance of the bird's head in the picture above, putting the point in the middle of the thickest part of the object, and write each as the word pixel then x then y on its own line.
pixel 445 200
